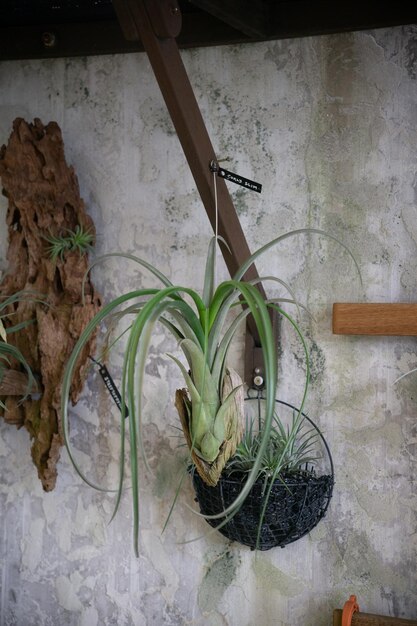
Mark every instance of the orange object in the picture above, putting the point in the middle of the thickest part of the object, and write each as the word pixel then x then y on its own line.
pixel 351 607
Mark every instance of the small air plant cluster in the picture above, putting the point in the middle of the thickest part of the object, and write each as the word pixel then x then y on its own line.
pixel 291 448
pixel 78 240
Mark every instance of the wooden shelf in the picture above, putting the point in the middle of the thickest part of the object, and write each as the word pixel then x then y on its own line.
pixel 374 319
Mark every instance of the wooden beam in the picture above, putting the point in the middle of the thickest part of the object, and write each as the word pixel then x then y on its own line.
pixel 182 105
pixel 105 37
pixel 304 17
pixel 150 17
pixel 374 319
pixel 21 39
pixel 249 17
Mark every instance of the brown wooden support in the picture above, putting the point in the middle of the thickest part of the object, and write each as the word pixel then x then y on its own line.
pixel 157 23
pixel 374 319
pixel 253 19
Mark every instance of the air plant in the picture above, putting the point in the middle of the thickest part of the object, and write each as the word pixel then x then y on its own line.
pixel 76 240
pixel 290 448
pixel 211 408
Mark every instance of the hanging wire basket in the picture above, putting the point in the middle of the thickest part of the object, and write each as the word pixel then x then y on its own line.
pixel 296 504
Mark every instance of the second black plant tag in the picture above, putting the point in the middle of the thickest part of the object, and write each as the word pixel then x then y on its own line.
pixel 111 386
pixel 239 180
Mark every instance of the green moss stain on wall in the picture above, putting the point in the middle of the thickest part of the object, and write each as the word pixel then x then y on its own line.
pixel 219 576
pixel 270 577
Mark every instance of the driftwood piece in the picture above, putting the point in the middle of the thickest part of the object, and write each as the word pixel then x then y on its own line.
pixel 14 383
pixel 43 201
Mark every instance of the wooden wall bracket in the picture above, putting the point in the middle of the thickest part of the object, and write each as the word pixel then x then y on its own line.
pixel 375 319
pixel 156 23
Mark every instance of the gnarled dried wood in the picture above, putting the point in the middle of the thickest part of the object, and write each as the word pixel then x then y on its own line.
pixel 14 383
pixel 44 200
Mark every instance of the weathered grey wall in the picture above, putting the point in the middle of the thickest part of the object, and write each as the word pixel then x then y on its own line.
pixel 329 126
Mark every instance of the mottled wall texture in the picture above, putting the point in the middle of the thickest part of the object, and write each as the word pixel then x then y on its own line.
pixel 329 126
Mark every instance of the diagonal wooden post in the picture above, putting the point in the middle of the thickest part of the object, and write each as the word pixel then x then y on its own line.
pixel 156 23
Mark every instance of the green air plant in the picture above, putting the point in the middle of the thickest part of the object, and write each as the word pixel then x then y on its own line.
pixel 211 408
pixel 8 352
pixel 79 240
pixel 289 449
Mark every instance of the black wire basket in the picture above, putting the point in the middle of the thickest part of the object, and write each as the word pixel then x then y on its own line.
pixel 296 504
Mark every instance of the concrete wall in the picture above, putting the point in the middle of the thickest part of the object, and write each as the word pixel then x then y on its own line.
pixel 329 126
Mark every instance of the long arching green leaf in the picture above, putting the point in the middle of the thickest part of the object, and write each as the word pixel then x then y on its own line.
pixel 131 257
pixel 217 325
pixel 12 351
pixel 404 375
pixel 69 370
pixel 174 307
pixel 301 231
pixel 223 346
pixel 19 296
pixel 231 510
pixel 295 422
pixel 141 331
pixel 210 272
pixel 262 320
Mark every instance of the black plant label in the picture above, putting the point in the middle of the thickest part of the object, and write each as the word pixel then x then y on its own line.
pixel 112 389
pixel 239 180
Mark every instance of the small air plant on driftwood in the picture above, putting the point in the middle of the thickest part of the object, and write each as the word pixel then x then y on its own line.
pixel 77 240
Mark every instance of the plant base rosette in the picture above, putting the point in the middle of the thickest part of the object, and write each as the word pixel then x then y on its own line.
pixel 296 504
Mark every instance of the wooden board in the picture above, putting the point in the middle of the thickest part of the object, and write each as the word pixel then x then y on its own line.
pixel 374 319
pixel 366 619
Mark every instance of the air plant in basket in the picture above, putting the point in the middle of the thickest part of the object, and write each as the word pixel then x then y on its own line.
pixel 289 496
pixel 211 408
pixel 289 448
